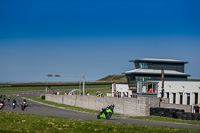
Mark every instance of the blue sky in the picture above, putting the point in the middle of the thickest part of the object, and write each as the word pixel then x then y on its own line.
pixel 66 37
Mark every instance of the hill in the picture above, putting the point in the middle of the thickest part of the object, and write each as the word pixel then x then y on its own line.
pixel 114 78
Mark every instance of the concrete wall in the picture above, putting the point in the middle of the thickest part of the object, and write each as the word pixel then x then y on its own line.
pixel 127 106
pixel 154 102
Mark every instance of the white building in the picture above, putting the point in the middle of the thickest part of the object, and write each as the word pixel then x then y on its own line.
pixel 147 75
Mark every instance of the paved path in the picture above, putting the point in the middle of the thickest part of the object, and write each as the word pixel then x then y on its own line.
pixel 41 109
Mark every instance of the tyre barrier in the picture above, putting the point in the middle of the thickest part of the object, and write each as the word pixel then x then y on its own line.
pixel 174 113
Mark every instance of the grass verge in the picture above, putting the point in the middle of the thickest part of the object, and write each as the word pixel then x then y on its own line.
pixel 14 122
pixel 65 88
pixel 150 118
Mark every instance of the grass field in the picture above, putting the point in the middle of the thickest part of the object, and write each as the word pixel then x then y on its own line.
pixel 14 122
pixel 65 88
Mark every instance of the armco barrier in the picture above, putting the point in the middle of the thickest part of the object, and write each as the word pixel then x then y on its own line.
pixel 127 106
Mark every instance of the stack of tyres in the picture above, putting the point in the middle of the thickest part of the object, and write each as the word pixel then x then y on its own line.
pixel 183 116
pixel 172 113
pixel 194 116
pixel 180 110
pixel 167 112
pixel 154 111
pixel 161 113
pixel 179 115
pixel 188 116
pixel 199 117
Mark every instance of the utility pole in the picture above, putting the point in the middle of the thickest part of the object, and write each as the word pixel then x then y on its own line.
pixel 162 91
pixel 83 82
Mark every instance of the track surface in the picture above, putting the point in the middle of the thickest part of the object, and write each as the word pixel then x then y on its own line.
pixel 41 109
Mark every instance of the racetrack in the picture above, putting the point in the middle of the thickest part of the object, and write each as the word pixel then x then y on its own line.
pixel 41 109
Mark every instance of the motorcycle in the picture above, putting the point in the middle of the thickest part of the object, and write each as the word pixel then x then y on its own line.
pixel 23 106
pixel 13 105
pixel 1 105
pixel 106 113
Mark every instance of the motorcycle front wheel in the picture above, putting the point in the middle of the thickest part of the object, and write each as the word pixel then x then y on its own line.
pixel 98 116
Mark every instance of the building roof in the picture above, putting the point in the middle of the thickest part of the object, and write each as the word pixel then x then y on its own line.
pixel 157 72
pixel 158 60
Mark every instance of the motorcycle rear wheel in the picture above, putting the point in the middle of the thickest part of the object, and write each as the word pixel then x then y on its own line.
pixel 108 116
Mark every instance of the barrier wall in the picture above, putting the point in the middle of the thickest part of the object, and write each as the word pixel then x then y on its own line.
pixel 128 106
pixel 154 102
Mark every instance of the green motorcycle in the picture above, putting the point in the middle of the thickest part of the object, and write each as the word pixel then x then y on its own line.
pixel 106 112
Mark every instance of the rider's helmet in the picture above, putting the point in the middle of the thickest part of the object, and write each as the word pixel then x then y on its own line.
pixel 24 100
pixel 112 105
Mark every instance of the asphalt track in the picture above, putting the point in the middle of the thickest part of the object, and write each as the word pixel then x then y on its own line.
pixel 42 109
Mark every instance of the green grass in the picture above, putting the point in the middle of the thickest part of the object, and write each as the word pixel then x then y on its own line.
pixel 65 88
pixel 150 118
pixel 14 122
pixel 166 119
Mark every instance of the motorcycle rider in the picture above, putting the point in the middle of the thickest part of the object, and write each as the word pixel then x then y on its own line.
pixel 2 104
pixel 24 102
pixel 109 107
pixel 14 101
pixel 4 97
pixel 9 99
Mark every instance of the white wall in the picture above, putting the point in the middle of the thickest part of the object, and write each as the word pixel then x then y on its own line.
pixel 178 87
pixel 122 88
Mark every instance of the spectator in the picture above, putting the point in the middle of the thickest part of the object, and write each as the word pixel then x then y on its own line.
pixel 150 90
pixel 9 99
pixel 87 93
pixel 4 97
pixel 81 93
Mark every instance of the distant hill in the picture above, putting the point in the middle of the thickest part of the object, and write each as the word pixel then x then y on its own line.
pixel 114 78
pixel 123 79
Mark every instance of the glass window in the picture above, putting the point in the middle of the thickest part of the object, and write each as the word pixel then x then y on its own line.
pixel 174 98
pixel 181 98
pixel 143 65
pixel 167 94
pixel 137 65
pixel 188 98
pixel 196 98
pixel 155 87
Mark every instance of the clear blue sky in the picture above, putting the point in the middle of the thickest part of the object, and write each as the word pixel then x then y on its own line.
pixel 66 37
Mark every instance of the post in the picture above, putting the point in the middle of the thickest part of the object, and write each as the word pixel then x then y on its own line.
pixel 162 91
pixel 199 107
pixel 83 82
pixel 114 89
